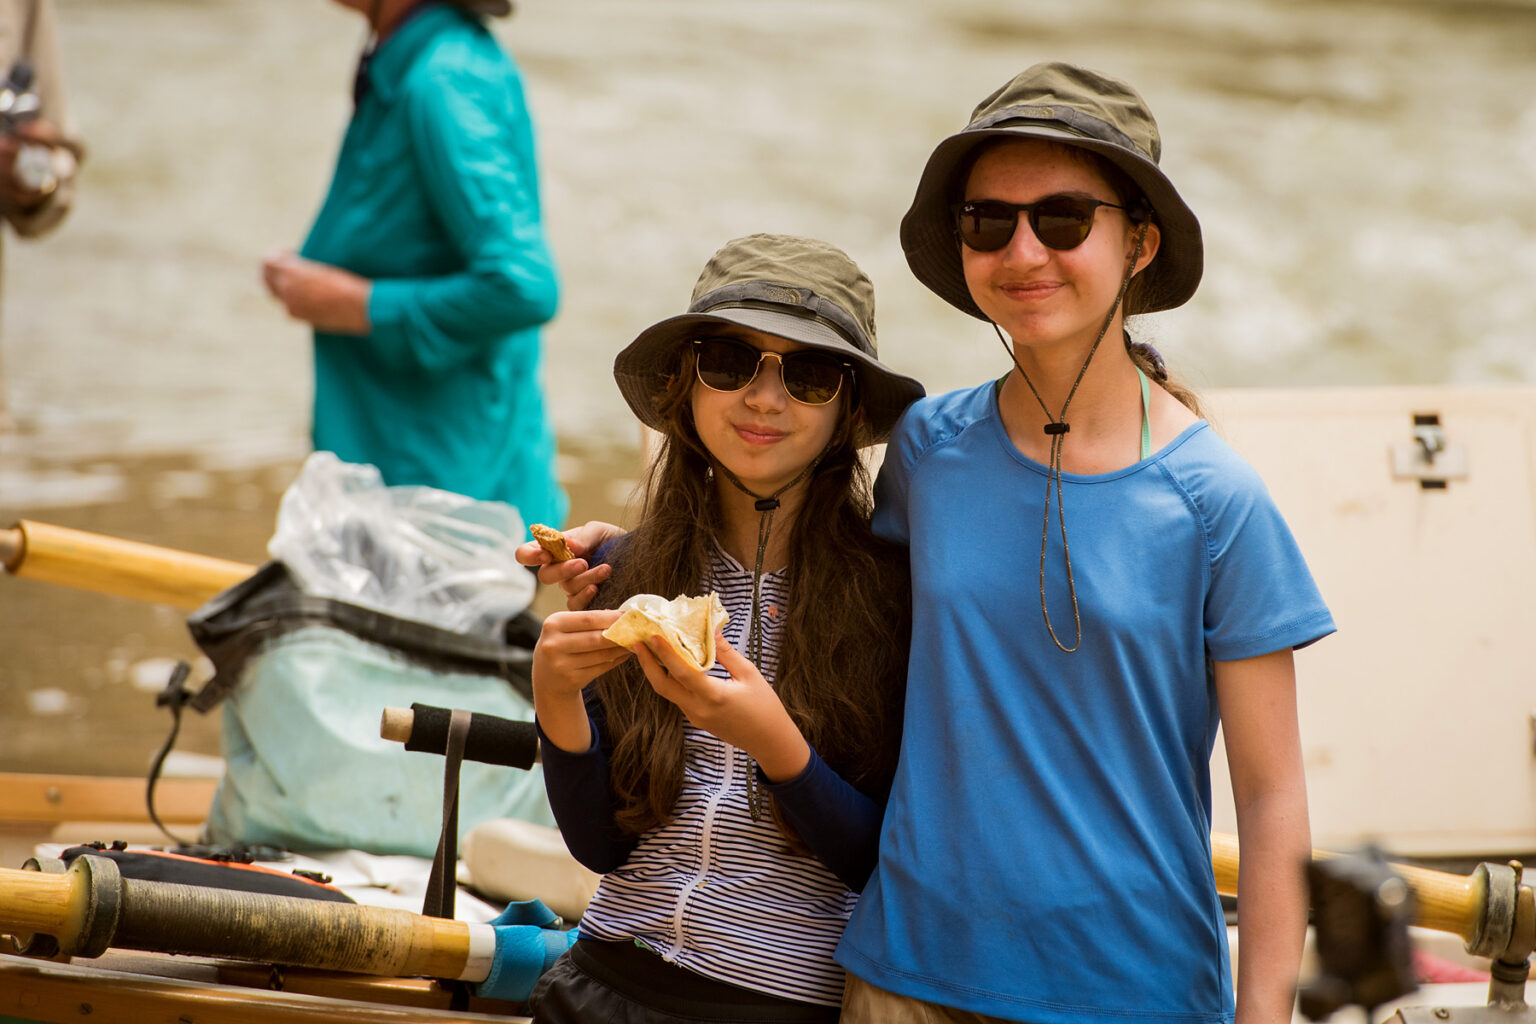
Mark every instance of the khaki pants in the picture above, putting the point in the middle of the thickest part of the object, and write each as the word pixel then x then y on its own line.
pixel 863 1003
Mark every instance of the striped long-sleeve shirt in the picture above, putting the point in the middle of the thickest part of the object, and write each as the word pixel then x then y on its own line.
pixel 712 890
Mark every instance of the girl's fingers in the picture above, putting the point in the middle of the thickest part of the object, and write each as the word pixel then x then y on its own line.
pixel 733 661
pixel 598 659
pixel 589 652
pixel 655 673
pixel 576 623
pixel 730 659
pixel 591 535
pixel 531 553
pixel 592 577
pixel 560 574
pixel 678 667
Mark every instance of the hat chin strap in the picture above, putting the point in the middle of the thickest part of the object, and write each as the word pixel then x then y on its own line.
pixel 1056 429
pixel 766 506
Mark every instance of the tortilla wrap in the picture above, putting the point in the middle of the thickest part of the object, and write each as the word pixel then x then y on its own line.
pixel 688 624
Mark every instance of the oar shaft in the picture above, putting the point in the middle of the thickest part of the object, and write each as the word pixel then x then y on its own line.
pixel 199 921
pixel 1446 903
pixel 91 908
pixel 107 565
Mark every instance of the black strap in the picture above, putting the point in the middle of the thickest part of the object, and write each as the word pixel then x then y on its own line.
pixel 175 697
pixel 237 623
pixel 443 882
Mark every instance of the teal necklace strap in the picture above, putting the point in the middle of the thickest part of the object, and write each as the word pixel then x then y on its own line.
pixel 1146 416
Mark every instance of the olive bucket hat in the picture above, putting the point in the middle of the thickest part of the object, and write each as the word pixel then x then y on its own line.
pixel 1076 107
pixel 795 288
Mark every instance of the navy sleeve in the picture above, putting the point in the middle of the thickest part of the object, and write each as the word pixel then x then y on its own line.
pixel 840 824
pixel 893 482
pixel 582 801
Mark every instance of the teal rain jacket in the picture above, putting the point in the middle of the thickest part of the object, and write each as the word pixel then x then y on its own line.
pixel 436 200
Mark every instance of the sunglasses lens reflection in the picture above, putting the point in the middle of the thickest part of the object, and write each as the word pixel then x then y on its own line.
pixel 810 377
pixel 986 227
pixel 726 365
pixel 1060 222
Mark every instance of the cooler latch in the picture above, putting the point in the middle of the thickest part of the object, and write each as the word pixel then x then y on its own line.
pixel 1429 458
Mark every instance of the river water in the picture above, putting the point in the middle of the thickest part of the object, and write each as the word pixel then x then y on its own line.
pixel 1362 170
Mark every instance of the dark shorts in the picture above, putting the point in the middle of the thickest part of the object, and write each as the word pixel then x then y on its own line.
pixel 621 983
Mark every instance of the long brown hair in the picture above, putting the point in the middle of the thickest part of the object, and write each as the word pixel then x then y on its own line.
pixel 842 666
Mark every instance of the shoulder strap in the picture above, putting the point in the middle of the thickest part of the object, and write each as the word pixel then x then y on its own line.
pixel 1146 416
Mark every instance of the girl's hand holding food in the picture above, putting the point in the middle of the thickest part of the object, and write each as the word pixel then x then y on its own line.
pixel 743 710
pixel 571 652
pixel 569 570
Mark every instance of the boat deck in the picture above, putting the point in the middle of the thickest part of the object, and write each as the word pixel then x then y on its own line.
pixel 136 988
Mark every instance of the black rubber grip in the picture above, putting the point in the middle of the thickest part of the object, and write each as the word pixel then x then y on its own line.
pixel 491 739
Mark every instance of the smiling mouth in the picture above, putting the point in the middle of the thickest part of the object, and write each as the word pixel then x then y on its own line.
pixel 1029 289
pixel 758 435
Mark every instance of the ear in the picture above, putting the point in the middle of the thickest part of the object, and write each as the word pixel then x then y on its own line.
pixel 1149 245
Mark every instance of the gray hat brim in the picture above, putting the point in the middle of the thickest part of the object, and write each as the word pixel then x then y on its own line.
pixel 933 250
pixel 646 364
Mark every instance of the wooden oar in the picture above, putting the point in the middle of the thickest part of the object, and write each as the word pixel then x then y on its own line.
pixel 1460 905
pixel 91 561
pixel 91 908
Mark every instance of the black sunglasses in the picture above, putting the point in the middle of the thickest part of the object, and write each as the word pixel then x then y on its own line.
pixel 1059 221
pixel 810 376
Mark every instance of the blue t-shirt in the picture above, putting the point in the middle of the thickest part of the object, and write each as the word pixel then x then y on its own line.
pixel 1046 850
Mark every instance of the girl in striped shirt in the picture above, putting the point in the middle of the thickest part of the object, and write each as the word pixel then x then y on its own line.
pixel 734 812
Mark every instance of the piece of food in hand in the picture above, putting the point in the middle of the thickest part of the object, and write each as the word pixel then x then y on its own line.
pixel 688 624
pixel 553 541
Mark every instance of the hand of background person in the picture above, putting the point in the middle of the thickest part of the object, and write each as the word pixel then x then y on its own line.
pixel 570 653
pixel 742 710
pixel 13 194
pixel 575 576
pixel 326 297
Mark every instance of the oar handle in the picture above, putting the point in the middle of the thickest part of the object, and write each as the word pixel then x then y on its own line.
pixel 491 739
pixel 107 565
pixel 1446 903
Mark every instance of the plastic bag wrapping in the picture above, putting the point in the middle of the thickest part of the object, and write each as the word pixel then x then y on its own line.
pixel 413 552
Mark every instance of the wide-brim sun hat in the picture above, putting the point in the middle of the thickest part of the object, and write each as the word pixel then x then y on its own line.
pixel 486 8
pixel 799 289
pixel 1074 106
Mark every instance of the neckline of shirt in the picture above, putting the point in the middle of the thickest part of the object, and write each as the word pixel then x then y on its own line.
pixel 733 565
pixel 1000 433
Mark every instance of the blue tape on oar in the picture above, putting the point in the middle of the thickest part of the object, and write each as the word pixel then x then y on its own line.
pixel 527 945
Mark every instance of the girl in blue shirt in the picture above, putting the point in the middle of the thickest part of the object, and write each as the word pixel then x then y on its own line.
pixel 1045 855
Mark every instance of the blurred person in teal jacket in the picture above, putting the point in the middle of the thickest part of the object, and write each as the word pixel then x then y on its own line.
pixel 426 274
